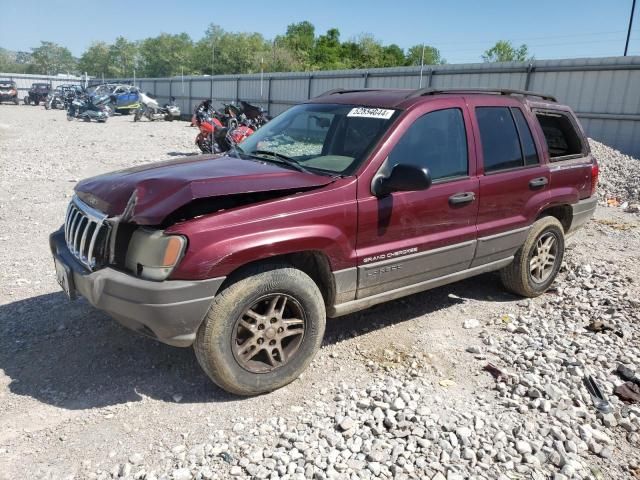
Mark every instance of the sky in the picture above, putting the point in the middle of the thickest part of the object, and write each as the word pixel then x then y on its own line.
pixel 462 29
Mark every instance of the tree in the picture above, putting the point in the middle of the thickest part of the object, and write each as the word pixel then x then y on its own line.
pixel 327 51
pixel 431 56
pixel 96 61
pixel 221 52
pixel 166 55
pixel 123 55
pixel 504 51
pixel 299 40
pixel 392 56
pixel 50 59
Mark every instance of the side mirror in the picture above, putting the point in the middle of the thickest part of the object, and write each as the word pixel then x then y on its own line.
pixel 403 178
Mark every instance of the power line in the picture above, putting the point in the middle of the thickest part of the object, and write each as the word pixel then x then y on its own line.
pixel 626 45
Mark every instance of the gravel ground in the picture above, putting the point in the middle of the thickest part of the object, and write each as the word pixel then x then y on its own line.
pixel 396 391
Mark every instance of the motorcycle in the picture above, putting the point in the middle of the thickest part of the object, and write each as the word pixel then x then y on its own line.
pixel 150 109
pixel 62 97
pixel 89 108
pixel 257 115
pixel 214 137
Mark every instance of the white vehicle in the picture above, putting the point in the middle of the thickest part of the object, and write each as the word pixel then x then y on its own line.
pixel 150 108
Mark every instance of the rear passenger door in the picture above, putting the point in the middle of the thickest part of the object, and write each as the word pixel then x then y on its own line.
pixel 514 181
pixel 410 237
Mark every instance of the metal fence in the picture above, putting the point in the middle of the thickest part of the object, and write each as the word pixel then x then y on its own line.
pixel 24 81
pixel 604 92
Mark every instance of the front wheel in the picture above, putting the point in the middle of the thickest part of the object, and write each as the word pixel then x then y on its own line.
pixel 137 116
pixel 26 100
pixel 536 264
pixel 262 331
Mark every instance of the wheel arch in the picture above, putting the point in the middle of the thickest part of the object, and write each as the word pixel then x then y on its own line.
pixel 563 213
pixel 312 262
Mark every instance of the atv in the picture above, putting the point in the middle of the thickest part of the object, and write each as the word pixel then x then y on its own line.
pixel 37 93
pixel 8 91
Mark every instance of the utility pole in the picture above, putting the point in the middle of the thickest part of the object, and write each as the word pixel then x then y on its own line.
pixel 422 64
pixel 626 45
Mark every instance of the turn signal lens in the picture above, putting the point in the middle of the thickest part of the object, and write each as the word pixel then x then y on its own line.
pixel 173 250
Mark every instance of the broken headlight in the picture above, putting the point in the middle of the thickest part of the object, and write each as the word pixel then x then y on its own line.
pixel 152 255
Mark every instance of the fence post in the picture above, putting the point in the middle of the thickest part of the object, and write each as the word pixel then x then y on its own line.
pixel 527 80
pixel 366 78
pixel 237 88
pixel 309 86
pixel 211 92
pixel 170 85
pixel 268 94
pixel 155 87
pixel 189 107
pixel 430 77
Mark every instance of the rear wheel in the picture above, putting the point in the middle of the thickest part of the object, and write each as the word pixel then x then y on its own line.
pixel 25 100
pixel 137 116
pixel 262 331
pixel 536 264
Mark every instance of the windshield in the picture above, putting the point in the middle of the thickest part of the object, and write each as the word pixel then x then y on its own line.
pixel 7 84
pixel 324 137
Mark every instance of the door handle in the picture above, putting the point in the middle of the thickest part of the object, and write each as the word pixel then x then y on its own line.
pixel 462 198
pixel 538 182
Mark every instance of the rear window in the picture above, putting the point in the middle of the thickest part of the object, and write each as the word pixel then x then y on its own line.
pixel 561 135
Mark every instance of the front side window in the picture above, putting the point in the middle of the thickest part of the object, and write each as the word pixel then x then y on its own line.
pixel 329 138
pixel 437 141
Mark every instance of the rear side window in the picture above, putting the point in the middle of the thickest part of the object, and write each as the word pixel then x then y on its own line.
pixel 560 134
pixel 500 142
pixel 438 141
pixel 528 145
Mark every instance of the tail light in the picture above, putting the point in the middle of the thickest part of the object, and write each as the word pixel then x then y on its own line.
pixel 595 171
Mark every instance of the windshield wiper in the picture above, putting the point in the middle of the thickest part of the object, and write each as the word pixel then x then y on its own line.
pixel 279 158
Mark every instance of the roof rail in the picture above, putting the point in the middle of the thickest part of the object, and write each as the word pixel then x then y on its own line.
pixel 499 91
pixel 340 91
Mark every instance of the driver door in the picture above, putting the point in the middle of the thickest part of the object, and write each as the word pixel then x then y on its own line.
pixel 406 238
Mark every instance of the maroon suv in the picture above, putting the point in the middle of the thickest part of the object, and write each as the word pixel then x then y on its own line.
pixel 348 200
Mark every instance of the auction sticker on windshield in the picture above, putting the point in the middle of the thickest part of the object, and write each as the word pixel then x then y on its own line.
pixel 368 112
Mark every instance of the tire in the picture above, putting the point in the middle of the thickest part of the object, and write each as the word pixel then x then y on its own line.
pixel 220 330
pixel 168 117
pixel 137 116
pixel 26 100
pixel 16 101
pixel 518 277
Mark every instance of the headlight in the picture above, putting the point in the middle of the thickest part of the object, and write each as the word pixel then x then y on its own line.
pixel 152 254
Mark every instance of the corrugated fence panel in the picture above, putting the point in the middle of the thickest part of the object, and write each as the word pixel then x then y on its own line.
pixel 224 90
pixel 605 92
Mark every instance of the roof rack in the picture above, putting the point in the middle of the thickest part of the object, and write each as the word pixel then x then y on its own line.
pixel 498 91
pixel 340 91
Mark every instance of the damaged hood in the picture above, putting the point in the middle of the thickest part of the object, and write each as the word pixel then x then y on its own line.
pixel 151 192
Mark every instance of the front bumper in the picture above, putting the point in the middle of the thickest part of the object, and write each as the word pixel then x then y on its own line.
pixel 169 311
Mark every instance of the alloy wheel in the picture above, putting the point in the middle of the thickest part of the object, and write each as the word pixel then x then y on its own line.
pixel 543 260
pixel 269 333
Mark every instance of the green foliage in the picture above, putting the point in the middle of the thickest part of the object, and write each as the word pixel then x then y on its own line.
pixel 431 56
pixel 124 57
pixel 166 55
pixel 96 61
pixel 505 51
pixel 221 52
pixel 50 58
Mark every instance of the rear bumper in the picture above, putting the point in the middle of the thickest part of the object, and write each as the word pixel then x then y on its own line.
pixel 169 311
pixel 582 212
